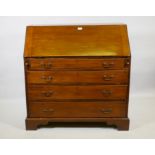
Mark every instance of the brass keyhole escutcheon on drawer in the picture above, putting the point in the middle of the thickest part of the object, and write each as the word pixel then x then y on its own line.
pixel 108 65
pixel 106 92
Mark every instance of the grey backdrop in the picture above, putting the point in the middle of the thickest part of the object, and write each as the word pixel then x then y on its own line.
pixel 12 91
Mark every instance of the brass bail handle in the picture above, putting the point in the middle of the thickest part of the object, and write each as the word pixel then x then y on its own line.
pixel 106 111
pixel 107 65
pixel 108 78
pixel 47 94
pixel 106 92
pixel 46 66
pixel 47 78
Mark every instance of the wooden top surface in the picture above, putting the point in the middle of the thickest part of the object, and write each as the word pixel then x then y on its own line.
pixel 83 40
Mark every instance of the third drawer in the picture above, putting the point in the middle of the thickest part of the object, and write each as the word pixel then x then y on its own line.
pixel 52 92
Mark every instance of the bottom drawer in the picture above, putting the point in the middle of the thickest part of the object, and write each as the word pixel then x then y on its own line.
pixel 77 109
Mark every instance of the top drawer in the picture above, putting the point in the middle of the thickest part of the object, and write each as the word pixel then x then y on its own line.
pixel 77 63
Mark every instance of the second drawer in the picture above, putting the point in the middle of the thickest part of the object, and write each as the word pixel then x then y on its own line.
pixel 72 77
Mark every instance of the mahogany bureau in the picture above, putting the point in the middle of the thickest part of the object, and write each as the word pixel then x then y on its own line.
pixel 77 74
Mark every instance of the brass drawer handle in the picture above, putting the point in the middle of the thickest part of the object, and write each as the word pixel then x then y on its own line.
pixel 106 111
pixel 48 110
pixel 47 94
pixel 106 92
pixel 47 78
pixel 107 65
pixel 108 78
pixel 46 66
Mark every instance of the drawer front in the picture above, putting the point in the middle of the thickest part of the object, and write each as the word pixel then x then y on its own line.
pixel 77 109
pixel 72 63
pixel 48 92
pixel 73 77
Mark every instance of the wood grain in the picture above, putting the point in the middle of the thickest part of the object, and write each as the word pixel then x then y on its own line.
pixel 78 109
pixel 78 73
pixel 106 92
pixel 78 77
pixel 92 40
pixel 76 63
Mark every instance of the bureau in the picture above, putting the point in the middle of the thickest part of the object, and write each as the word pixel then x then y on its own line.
pixel 77 74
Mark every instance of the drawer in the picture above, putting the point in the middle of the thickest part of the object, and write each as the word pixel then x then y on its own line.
pixel 76 63
pixel 78 77
pixel 52 92
pixel 78 109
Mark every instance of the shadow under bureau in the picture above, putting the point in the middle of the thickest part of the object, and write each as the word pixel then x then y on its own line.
pixel 77 74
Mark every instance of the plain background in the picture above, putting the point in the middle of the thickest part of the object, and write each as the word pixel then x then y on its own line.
pixel 12 91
